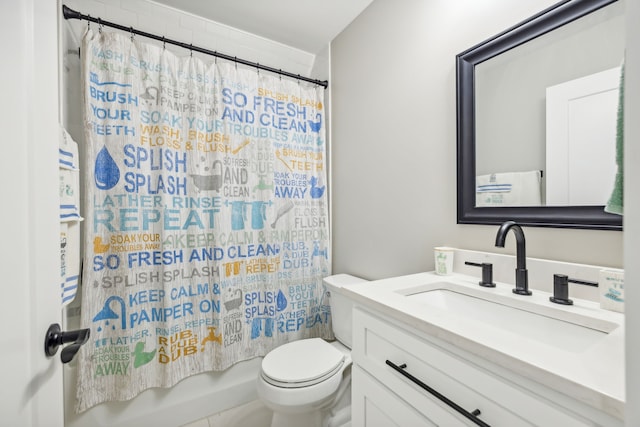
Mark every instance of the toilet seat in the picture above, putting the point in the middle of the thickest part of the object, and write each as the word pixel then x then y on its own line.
pixel 302 363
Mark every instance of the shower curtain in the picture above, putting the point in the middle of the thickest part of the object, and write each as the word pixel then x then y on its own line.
pixel 206 230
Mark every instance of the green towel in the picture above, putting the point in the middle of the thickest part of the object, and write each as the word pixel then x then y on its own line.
pixel 615 204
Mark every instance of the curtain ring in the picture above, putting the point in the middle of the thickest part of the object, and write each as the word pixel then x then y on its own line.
pixel 191 49
pixel 258 68
pixel 164 43
pixel 235 62
pixel 280 74
pixel 215 57
pixel 88 22
pixel 131 30
pixel 99 25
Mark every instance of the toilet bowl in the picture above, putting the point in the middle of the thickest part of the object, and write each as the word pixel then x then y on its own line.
pixel 308 382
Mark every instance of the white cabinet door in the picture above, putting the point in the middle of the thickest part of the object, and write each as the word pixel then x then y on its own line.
pixel 374 405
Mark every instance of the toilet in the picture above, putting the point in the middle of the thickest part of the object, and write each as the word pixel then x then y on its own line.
pixel 308 382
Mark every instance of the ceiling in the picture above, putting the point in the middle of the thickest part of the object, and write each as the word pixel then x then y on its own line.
pixel 309 25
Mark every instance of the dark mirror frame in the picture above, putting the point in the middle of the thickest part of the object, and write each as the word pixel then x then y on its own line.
pixel 586 217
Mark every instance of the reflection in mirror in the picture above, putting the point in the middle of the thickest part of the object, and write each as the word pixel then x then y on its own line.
pixel 536 119
pixel 511 105
pixel 581 139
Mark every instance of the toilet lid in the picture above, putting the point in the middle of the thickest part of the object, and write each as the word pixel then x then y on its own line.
pixel 301 363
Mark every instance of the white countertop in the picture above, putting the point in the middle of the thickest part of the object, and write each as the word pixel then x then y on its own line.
pixel 593 375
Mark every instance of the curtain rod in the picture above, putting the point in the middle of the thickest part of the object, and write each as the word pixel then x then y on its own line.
pixel 72 14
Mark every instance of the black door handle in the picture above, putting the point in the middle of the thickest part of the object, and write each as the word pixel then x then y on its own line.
pixel 55 337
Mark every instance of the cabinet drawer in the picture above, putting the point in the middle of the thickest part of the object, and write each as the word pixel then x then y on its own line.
pixel 500 403
pixel 374 405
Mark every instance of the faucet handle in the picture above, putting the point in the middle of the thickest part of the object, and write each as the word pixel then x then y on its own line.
pixel 487 273
pixel 561 288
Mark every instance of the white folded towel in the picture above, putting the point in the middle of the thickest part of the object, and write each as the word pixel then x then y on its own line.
pixel 69 178
pixel 69 260
pixel 69 217
pixel 68 151
pixel 509 189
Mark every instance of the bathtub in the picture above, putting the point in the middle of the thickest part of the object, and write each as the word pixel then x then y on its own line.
pixel 191 399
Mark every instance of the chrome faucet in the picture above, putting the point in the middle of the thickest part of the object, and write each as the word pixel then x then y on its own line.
pixel 522 276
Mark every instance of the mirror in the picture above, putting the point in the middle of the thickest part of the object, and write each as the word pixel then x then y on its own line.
pixel 506 88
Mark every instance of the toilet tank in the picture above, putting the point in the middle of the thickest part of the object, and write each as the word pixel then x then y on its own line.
pixel 341 305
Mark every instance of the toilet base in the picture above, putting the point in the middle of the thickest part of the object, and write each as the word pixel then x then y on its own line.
pixel 337 414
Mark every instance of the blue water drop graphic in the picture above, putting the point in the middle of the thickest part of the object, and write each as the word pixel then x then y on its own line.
pixel 106 170
pixel 281 301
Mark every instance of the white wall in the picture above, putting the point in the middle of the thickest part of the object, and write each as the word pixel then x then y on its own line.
pixel 202 395
pixel 394 140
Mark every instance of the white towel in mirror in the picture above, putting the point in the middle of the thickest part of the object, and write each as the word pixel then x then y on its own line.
pixel 509 189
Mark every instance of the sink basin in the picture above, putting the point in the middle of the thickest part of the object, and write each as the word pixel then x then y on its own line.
pixel 558 328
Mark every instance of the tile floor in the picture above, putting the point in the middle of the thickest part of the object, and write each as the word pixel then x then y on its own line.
pixel 252 414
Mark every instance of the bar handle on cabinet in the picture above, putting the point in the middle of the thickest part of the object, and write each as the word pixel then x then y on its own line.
pixel 473 416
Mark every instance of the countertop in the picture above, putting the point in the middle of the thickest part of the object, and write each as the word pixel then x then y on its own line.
pixel 593 375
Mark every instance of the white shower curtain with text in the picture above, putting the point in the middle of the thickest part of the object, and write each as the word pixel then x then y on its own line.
pixel 206 231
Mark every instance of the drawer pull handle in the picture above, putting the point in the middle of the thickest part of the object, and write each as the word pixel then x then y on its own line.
pixel 473 416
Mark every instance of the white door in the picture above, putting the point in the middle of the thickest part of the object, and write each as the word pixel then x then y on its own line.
pixel 31 392
pixel 581 139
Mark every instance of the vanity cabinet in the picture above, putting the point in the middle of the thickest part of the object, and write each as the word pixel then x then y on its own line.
pixel 384 350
